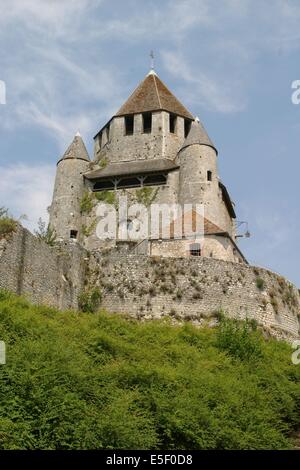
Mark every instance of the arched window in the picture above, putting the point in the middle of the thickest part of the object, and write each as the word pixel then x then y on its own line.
pixel 195 249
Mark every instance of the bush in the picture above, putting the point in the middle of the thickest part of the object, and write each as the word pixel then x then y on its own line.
pixel 7 224
pixel 86 203
pixel 238 339
pixel 89 301
pixel 109 197
pixel 82 381
pixel 260 283
pixel 45 233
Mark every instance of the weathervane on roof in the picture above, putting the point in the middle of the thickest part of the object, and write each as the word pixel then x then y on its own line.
pixel 152 60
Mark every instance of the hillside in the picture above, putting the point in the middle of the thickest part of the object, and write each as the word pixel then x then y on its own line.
pixel 81 381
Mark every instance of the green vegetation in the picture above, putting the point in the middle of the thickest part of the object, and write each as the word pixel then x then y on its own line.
pixel 86 203
pixel 94 381
pixel 7 224
pixel 109 197
pixel 260 283
pixel 45 233
pixel 87 230
pixel 146 195
pixel 89 300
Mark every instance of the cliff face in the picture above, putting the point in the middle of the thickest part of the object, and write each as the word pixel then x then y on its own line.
pixel 194 289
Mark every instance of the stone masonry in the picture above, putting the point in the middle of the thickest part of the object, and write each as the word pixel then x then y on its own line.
pixel 189 288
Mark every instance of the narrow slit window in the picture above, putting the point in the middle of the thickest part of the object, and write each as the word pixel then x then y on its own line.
pixel 129 125
pixel 187 127
pixel 209 175
pixel 100 140
pixel 108 132
pixel 147 123
pixel 172 122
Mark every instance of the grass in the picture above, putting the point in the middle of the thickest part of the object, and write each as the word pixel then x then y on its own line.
pixel 98 381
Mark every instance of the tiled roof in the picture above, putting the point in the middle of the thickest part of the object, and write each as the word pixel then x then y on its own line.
pixel 189 223
pixel 198 135
pixel 132 168
pixel 76 150
pixel 152 95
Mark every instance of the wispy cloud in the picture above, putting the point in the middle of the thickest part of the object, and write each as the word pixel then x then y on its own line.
pixel 204 89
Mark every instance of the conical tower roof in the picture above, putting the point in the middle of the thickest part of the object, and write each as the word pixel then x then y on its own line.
pixel 153 95
pixel 198 135
pixel 76 150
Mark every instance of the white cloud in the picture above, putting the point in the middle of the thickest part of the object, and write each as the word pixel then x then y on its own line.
pixel 27 190
pixel 200 88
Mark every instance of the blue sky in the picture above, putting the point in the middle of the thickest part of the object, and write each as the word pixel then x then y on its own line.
pixel 68 65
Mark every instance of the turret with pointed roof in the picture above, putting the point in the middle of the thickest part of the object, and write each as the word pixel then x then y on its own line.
pixel 65 211
pixel 76 150
pixel 198 135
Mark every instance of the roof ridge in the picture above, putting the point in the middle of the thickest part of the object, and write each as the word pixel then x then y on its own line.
pixel 154 78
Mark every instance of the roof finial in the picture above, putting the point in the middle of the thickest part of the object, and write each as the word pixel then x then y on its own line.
pixel 152 60
pixel 152 71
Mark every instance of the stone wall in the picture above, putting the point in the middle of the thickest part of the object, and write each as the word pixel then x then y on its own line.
pixel 46 275
pixel 193 288
pixel 160 143
pixel 196 289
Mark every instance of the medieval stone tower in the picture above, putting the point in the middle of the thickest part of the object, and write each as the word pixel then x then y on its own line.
pixel 153 151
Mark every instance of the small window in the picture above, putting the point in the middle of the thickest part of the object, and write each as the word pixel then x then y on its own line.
pixel 172 122
pixel 209 175
pixel 187 127
pixel 100 140
pixel 129 125
pixel 147 123
pixel 195 249
pixel 73 234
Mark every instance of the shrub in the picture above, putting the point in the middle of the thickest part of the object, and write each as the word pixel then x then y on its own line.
pixel 99 381
pixel 86 203
pixel 46 234
pixel 109 197
pixel 237 338
pixel 89 301
pixel 260 283
pixel 7 224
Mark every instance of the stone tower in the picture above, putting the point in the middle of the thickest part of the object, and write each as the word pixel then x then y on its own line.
pixel 199 181
pixel 65 216
pixel 151 124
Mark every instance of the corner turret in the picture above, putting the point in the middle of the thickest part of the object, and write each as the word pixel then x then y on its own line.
pixel 199 181
pixel 65 215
